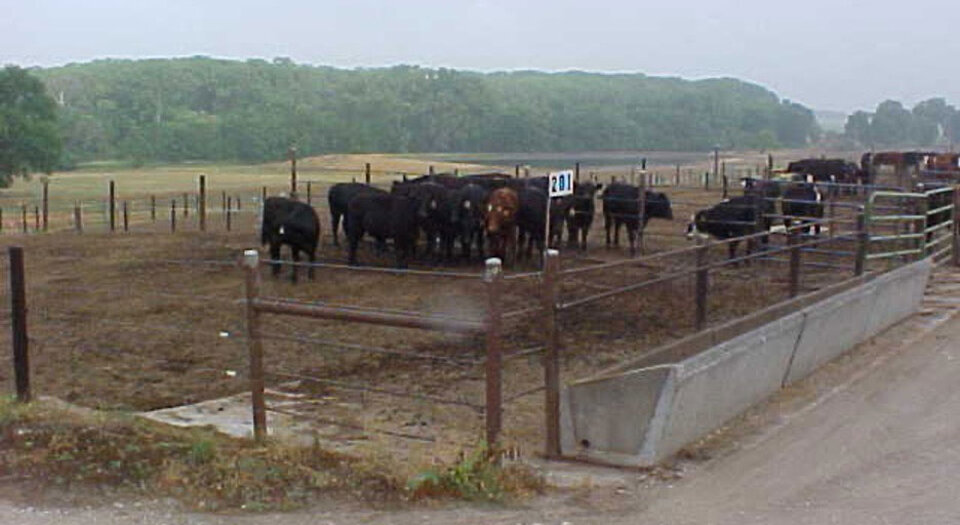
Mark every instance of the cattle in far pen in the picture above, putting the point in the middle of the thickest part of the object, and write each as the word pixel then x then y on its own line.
pixel 837 173
pixel 290 222
pixel 732 218
pixel 383 216
pixel 802 201
pixel 338 198
pixel 621 207
pixel 581 212
pixel 501 223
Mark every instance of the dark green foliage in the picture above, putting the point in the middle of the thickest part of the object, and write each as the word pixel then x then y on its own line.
pixel 932 122
pixel 29 138
pixel 201 108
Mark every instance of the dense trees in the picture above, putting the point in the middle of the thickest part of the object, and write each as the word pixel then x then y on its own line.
pixel 201 108
pixel 930 123
pixel 29 138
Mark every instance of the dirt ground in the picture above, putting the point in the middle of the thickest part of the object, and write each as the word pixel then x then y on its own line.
pixel 148 319
pixel 869 438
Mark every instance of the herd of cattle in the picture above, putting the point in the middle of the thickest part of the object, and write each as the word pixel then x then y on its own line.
pixel 507 217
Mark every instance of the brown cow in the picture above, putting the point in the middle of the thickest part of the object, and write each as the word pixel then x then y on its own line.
pixel 501 223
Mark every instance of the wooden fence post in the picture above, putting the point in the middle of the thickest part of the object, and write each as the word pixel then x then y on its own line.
pixel 1 219
pixel 293 172
pixel 173 215
pixel 186 205
pixel 126 217
pixel 551 359
pixel 677 182
pixel 493 277
pixel 112 206
pixel 309 194
pixel 36 218
pixel 642 194
pixel 702 281
pixel 251 263
pixel 78 217
pixel 576 172
pixel 366 173
pixel 23 217
pixel 203 203
pixel 793 239
pixel 18 324
pixel 46 205
pixel 153 208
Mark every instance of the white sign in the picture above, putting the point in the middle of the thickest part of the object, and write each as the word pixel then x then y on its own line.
pixel 561 183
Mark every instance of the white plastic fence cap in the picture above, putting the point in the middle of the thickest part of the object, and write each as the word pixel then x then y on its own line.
pixel 251 258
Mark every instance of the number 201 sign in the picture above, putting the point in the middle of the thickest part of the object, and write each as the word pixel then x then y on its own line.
pixel 561 183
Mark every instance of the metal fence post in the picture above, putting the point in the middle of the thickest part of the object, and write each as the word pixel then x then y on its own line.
pixel 493 277
pixel 863 237
pixel 703 249
pixel 251 263
pixel 793 238
pixel 18 324
pixel 921 226
pixel 551 359
pixel 956 226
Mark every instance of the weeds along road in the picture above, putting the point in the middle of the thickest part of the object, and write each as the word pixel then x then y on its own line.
pixel 874 439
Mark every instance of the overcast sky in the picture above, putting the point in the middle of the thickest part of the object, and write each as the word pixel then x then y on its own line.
pixel 827 54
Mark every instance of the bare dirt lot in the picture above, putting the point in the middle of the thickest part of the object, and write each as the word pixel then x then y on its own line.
pixel 150 319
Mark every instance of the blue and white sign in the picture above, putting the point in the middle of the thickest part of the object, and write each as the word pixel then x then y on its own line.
pixel 561 183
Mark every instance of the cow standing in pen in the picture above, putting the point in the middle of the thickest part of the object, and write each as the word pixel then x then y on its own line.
pixel 501 223
pixel 621 206
pixel 581 212
pixel 290 222
pixel 736 217
pixel 803 202
pixel 339 198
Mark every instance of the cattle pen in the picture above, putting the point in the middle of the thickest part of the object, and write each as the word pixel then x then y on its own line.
pixel 436 358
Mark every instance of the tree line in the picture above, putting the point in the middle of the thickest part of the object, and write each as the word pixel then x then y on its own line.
pixel 930 123
pixel 169 110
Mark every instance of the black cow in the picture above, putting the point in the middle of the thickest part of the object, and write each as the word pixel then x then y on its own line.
pixel 435 216
pixel 383 216
pixel 290 222
pixel 581 212
pixel 467 216
pixel 621 206
pixel 804 202
pixel 339 198
pixel 732 218
pixel 532 217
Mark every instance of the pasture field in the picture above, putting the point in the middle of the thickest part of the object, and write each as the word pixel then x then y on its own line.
pixel 147 319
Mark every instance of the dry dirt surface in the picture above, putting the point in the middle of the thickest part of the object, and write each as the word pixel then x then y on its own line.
pixel 870 438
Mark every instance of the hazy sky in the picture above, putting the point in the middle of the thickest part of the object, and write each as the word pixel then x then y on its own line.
pixel 836 54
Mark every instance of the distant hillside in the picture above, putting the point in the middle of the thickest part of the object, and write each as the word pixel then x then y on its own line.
pixel 831 120
pixel 205 109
